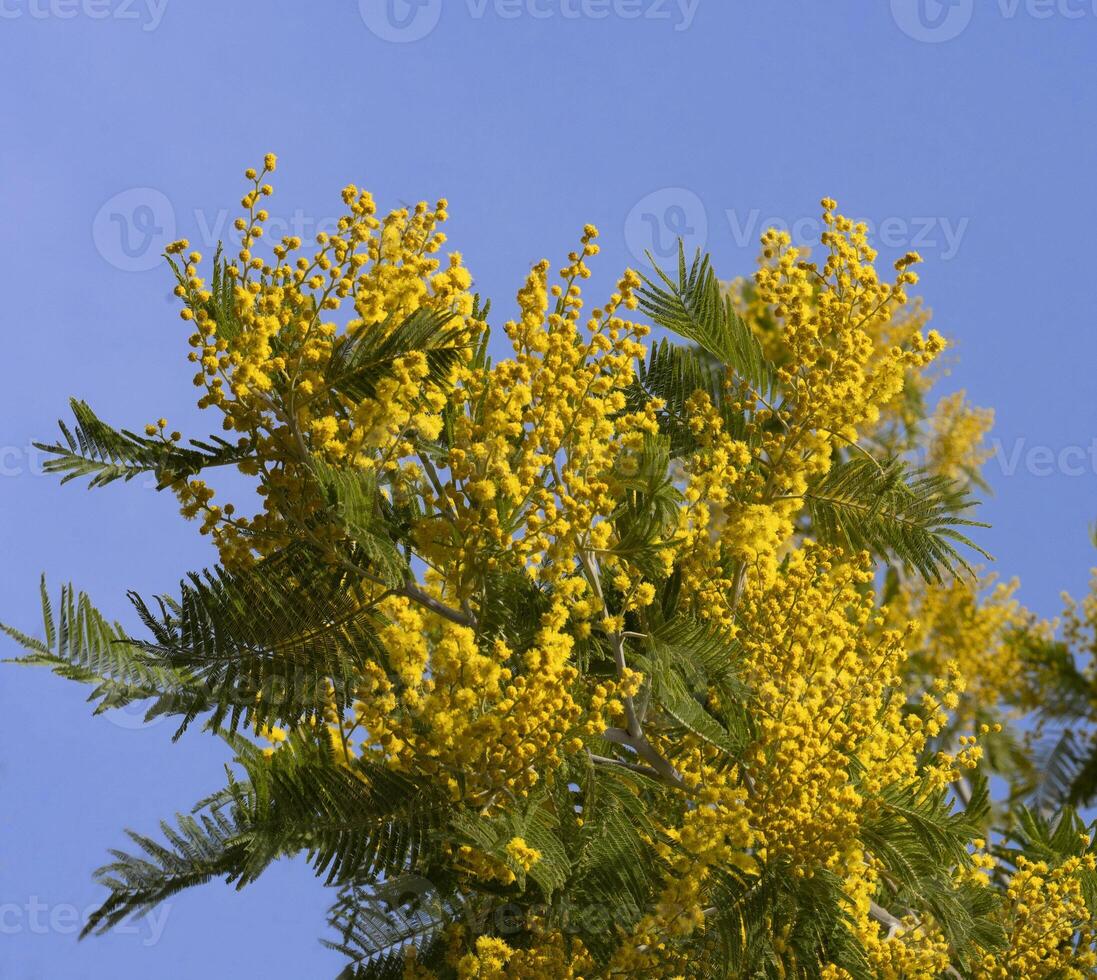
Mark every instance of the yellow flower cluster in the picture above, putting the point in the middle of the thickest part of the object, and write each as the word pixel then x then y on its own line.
pixel 847 349
pixel 517 470
pixel 475 866
pixel 553 955
pixel 833 733
pixel 956 438
pixel 522 854
pixel 268 354
pixel 1080 622
pixel 908 949
pixel 727 521
pixel 538 448
pixel 898 329
pixel 827 683
pixel 1049 929
pixel 830 319
pixel 454 710
pixel 714 835
pixel 534 470
pixel 973 626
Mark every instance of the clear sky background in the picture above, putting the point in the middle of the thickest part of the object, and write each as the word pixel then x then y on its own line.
pixel 967 131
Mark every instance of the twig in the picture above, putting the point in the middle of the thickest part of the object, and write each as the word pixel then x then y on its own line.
pixel 646 751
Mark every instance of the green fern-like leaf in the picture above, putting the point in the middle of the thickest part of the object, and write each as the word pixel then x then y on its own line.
pixel 882 507
pixel 81 645
pixel 104 454
pixel 378 923
pixel 198 850
pixel 356 503
pixel 697 307
pixel 671 376
pixel 917 837
pixel 359 361
pixel 267 641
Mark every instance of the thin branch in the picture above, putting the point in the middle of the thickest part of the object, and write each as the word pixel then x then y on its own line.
pixel 416 594
pixel 884 917
pixel 646 751
pixel 604 760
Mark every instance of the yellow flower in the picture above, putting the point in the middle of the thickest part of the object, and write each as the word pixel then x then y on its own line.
pixel 522 854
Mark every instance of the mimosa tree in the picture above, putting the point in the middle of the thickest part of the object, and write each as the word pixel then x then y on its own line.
pixel 634 653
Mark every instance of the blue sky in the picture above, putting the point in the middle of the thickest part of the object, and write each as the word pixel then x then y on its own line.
pixel 966 131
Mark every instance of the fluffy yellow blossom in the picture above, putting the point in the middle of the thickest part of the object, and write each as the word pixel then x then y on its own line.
pixel 553 955
pixel 1045 911
pixel 522 854
pixel 957 434
pixel 975 627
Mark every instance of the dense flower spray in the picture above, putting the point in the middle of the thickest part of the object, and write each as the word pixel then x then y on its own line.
pixel 679 635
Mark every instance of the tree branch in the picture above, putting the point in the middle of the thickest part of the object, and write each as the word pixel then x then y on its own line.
pixel 646 751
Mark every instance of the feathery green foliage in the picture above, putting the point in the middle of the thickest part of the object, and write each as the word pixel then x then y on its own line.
pixel 883 508
pixel 697 308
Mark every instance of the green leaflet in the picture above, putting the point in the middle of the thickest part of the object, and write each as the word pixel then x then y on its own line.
pixel 885 508
pixel 697 307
